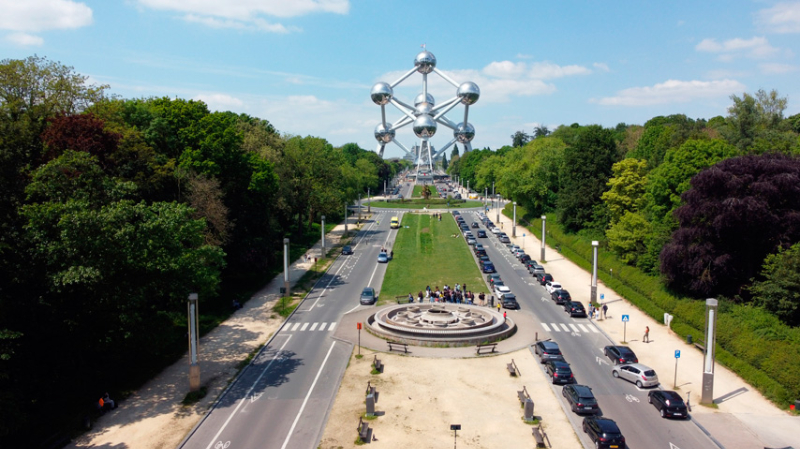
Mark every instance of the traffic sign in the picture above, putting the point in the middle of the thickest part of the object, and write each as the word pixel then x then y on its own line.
pixel 602 296
pixel 626 318
pixel 677 353
pixel 358 326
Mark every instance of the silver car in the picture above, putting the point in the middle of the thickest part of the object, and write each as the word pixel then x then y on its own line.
pixel 641 375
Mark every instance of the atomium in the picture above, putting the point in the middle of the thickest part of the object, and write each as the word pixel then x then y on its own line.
pixel 425 116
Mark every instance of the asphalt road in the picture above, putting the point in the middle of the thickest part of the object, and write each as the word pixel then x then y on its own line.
pixel 582 344
pixel 282 399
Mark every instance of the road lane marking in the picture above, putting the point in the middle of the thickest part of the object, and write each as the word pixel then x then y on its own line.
pixel 247 395
pixel 305 401
pixel 564 326
pixel 322 326
pixel 313 326
pixel 574 328
pixel 330 328
pixel 594 329
pixel 305 325
pixel 296 325
pixel 555 327
pixel 546 327
pixel 583 328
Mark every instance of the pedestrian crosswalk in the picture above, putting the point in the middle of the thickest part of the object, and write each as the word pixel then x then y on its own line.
pixel 569 327
pixel 302 327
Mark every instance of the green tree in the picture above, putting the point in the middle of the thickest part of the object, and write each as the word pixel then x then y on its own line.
pixel 751 116
pixel 626 188
pixel 628 235
pixel 519 139
pixel 779 289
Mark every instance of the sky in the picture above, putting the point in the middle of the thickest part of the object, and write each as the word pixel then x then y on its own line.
pixel 307 66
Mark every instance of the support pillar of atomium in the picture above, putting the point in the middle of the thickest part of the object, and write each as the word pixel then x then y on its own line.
pixel 425 115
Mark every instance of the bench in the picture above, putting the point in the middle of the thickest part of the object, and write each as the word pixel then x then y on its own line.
pixel 491 346
pixel 363 430
pixel 539 435
pixel 700 347
pixel 523 395
pixel 512 368
pixel 377 364
pixel 394 344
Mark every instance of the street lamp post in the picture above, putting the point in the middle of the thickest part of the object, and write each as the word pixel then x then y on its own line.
pixel 544 220
pixel 359 208
pixel 194 343
pixel 593 297
pixel 385 196
pixel 498 210
pixel 345 218
pixel 514 225
pixel 369 202
pixel 323 238
pixel 285 267
pixel 707 396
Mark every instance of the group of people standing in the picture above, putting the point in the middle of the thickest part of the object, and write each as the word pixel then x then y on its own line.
pixel 458 295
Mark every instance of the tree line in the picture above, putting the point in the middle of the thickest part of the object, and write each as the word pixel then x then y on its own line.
pixel 711 206
pixel 113 210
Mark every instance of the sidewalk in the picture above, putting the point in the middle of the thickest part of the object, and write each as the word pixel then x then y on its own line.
pixel 744 418
pixel 153 416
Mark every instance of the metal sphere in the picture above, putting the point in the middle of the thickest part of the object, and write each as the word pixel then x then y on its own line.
pixel 424 126
pixel 423 108
pixel 427 98
pixel 425 62
pixel 384 135
pixel 381 93
pixel 468 93
pixel 464 133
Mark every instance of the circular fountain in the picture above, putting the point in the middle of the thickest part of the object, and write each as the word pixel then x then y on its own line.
pixel 440 324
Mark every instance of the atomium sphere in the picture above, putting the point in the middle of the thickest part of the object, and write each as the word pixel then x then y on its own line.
pixel 425 62
pixel 381 93
pixel 464 133
pixel 422 108
pixel 427 98
pixel 468 93
pixel 424 126
pixel 383 135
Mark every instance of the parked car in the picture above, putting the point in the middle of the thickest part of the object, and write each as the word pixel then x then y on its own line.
pixel 368 296
pixel 479 253
pixel 495 230
pixel 581 399
pixel 481 234
pixel 513 248
pixel 468 234
pixel 492 278
pixel 641 375
pixel 346 249
pixel 552 286
pixel 547 350
pixel 500 290
pixel 669 403
pixel 620 354
pixel 559 371
pixel 504 239
pixel 603 432
pixel 561 296
pixel 383 258
pixel 471 241
pixel 483 258
pixel 535 269
pixel 478 247
pixel 510 301
pixel 575 308
pixel 545 278
pixel 488 267
pixel 524 258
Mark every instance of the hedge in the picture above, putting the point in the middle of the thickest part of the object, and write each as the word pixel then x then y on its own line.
pixel 750 341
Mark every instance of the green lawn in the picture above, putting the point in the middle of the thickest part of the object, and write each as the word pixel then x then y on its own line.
pixel 437 203
pixel 418 192
pixel 425 254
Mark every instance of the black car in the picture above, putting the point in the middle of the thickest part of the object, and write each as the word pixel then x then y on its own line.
pixel 544 278
pixel 603 432
pixel 559 371
pixel 479 253
pixel 524 258
pixel 481 234
pixel 475 225
pixel 547 350
pixel 620 354
pixel 346 249
pixel 669 403
pixel 509 301
pixel 492 277
pixel 561 296
pixel 581 399
pixel 575 308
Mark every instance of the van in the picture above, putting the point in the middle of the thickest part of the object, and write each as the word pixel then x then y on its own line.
pixel 395 223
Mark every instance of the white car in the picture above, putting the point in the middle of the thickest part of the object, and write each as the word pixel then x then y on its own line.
pixel 501 290
pixel 495 230
pixel 552 286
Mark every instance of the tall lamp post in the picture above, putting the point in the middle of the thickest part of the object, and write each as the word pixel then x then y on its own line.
pixel 707 396
pixel 369 202
pixel 544 221
pixel 593 297
pixel 345 217
pixel 322 256
pixel 285 267
pixel 194 343
pixel 514 227
pixel 498 210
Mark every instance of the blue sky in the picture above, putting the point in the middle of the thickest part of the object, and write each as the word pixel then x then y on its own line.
pixel 307 66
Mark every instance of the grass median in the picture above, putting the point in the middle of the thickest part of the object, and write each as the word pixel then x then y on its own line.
pixel 427 253
pixel 434 203
pixel 417 193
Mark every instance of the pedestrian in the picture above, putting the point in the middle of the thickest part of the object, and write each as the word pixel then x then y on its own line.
pixel 646 337
pixel 491 301
pixel 410 297
pixel 504 315
pixel 498 306
pixel 605 310
pixel 464 287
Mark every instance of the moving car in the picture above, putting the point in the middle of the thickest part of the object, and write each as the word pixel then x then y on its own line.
pixel 474 225
pixel 641 375
pixel 346 249
pixel 561 296
pixel 581 399
pixel 575 308
pixel 620 354
pixel 603 432
pixel 368 296
pixel 669 403
pixel 510 301
pixel 559 371
pixel 547 350
pixel 383 258
pixel 481 234
pixel 395 223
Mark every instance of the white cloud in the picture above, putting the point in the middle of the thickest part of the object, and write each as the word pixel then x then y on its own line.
pixel 25 39
pixel 548 70
pixel 220 102
pixel 505 69
pixel 756 48
pixel 247 14
pixel 41 15
pixel 781 18
pixel 672 91
pixel 601 66
pixel 777 68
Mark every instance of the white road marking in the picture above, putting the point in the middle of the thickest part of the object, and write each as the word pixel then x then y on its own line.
pixel 305 401
pixel 546 327
pixel 322 326
pixel 555 327
pixel 245 398
pixel 574 328
pixel 330 328
pixel 305 325
pixel 313 326
pixel 594 329
pixel 583 328
pixel 296 325
pixel 354 308
pixel 564 326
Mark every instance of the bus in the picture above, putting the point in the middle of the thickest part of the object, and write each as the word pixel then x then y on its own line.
pixel 395 223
